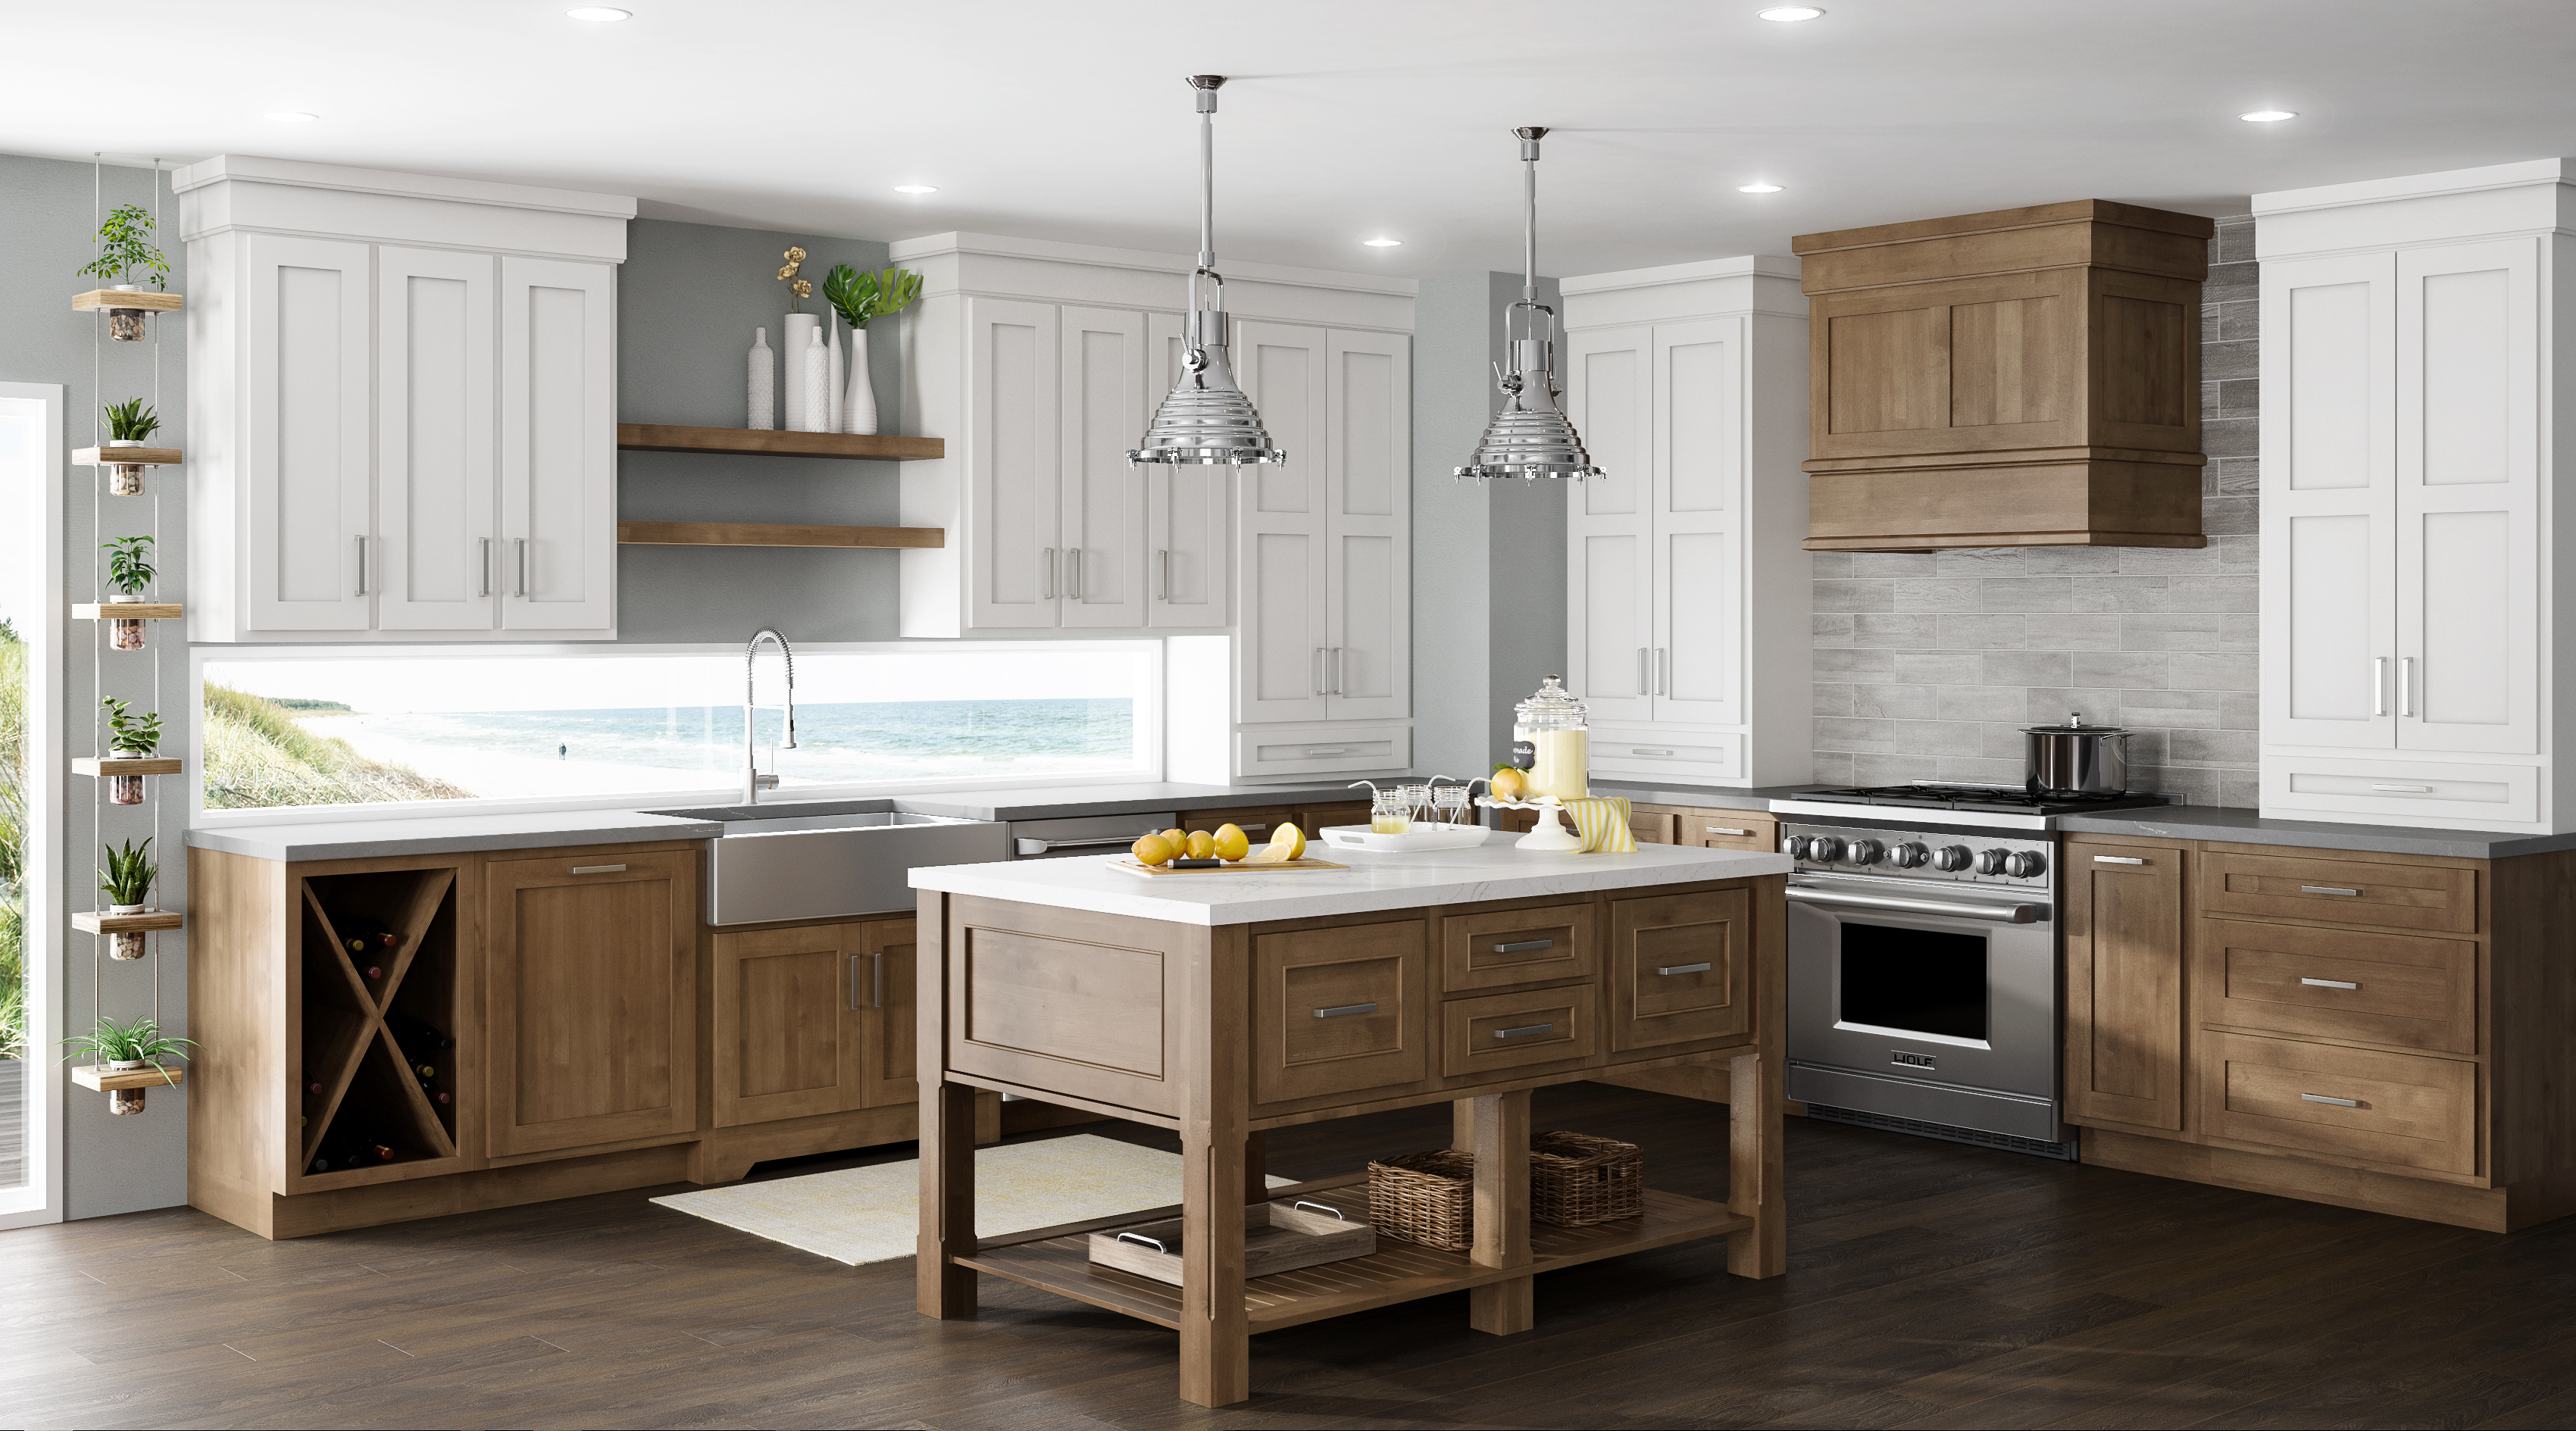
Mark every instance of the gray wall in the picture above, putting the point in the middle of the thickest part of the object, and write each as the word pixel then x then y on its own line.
pixel 46 226
pixel 1488 558
pixel 689 297
pixel 1929 664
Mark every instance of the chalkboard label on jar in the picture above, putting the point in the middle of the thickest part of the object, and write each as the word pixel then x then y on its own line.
pixel 1524 755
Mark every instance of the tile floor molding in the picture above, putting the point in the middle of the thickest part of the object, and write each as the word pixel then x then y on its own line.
pixel 1929 1285
pixel 1928 664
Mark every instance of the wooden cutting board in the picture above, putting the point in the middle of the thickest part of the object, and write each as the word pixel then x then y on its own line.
pixel 1238 867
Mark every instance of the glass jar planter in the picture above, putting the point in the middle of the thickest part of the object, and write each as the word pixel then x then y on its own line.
pixel 125 790
pixel 125 633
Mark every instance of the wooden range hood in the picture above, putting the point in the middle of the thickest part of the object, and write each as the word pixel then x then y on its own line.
pixel 2029 377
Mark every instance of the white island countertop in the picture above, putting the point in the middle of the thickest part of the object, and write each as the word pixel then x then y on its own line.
pixel 1493 870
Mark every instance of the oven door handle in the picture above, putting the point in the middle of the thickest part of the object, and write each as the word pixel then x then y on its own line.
pixel 1993 913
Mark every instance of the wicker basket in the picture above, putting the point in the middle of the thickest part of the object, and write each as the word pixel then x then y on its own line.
pixel 1577 1179
pixel 1429 1198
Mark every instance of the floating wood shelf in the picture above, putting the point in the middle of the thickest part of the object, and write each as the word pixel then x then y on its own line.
pixel 104 766
pixel 128 611
pixel 772 534
pixel 125 457
pixel 111 1080
pixel 145 923
pixel 748 442
pixel 98 298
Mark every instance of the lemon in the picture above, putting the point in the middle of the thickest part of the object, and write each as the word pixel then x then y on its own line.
pixel 1231 843
pixel 1508 783
pixel 1180 838
pixel 1288 837
pixel 1268 855
pixel 1152 850
pixel 1202 845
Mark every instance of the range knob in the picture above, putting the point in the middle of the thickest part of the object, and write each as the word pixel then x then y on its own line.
pixel 1950 858
pixel 1906 856
pixel 1866 852
pixel 1825 849
pixel 1990 862
pixel 2025 863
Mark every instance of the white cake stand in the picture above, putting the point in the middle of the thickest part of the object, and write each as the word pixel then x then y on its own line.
pixel 1553 834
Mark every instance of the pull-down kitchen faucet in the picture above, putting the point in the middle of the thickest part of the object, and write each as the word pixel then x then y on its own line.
pixel 753 782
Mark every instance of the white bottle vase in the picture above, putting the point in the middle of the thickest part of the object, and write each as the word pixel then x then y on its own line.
pixel 764 383
pixel 832 381
pixel 859 404
pixel 792 341
pixel 815 383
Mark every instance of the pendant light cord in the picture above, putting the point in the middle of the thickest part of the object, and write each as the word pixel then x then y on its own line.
pixel 1529 227
pixel 1207 184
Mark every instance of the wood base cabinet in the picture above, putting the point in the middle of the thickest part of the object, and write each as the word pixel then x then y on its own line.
pixel 2382 1031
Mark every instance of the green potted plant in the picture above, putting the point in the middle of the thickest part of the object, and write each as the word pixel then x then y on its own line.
pixel 129 424
pixel 127 882
pixel 129 576
pixel 130 737
pixel 124 248
pixel 130 1048
pixel 861 298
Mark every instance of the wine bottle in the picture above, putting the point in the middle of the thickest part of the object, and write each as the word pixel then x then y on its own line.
pixel 418 1037
pixel 361 935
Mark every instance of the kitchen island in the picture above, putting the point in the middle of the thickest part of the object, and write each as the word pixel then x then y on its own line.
pixel 1220 1005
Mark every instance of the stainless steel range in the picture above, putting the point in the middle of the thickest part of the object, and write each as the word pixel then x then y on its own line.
pixel 1924 961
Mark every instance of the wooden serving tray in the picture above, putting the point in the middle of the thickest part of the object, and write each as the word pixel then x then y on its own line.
pixel 1238 867
pixel 1276 1238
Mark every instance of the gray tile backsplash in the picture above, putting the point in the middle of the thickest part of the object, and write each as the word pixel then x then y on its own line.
pixel 1928 664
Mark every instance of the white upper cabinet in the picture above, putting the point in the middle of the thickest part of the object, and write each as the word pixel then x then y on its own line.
pixel 1698 526
pixel 1103 497
pixel 2407 649
pixel 1287 650
pixel 1189 513
pixel 402 406
pixel 1368 459
pixel 1609 653
pixel 1014 458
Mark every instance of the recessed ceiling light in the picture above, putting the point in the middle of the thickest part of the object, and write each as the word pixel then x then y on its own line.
pixel 1791 14
pixel 599 14
pixel 2269 116
pixel 1382 243
pixel 916 188
pixel 1757 188
pixel 291 116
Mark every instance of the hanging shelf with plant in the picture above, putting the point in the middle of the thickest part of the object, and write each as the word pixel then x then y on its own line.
pixel 129 1060
pixel 130 426
pixel 130 574
pixel 133 743
pixel 127 880
pixel 125 254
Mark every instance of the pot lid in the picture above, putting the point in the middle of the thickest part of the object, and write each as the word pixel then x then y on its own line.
pixel 2074 726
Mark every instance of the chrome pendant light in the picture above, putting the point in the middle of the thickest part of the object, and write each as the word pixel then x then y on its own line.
pixel 1206 421
pixel 1529 438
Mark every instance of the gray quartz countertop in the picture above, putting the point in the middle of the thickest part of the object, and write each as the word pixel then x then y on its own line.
pixel 445 834
pixel 1069 801
pixel 2244 827
pixel 1710 797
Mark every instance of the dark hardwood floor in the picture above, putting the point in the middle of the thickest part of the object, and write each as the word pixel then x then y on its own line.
pixel 1929 1285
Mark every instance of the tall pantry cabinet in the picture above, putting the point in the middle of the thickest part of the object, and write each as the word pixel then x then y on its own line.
pixel 1284 590
pixel 403 401
pixel 2411 330
pixel 1687 629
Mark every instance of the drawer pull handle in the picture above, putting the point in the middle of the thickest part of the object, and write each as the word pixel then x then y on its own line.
pixel 1317 1206
pixel 2117 860
pixel 1153 1242
pixel 2336 1102
pixel 597 869
pixel 1345 1009
pixel 1336 750
pixel 2328 984
pixel 1722 830
pixel 1649 752
pixel 2328 889
pixel 2404 789
pixel 1524 1032
pixel 1524 945
pixel 1669 970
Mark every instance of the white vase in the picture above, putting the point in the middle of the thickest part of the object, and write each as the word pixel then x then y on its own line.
pixel 832 380
pixel 814 385
pixel 764 383
pixel 859 405
pixel 792 340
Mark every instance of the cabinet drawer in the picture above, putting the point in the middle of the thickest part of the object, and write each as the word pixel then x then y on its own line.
pixel 2431 897
pixel 1340 1010
pixel 1651 824
pixel 2402 792
pixel 2402 1109
pixel 1518 946
pixel 1727 830
pixel 1680 968
pixel 1278 750
pixel 1500 1032
pixel 1641 750
pixel 1255 824
pixel 2332 983
pixel 1311 818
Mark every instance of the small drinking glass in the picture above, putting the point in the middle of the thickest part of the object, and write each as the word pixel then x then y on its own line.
pixel 1451 801
pixel 1417 799
pixel 1389 813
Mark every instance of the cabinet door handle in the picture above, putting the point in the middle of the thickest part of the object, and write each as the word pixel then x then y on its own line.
pixel 2328 984
pixel 1319 671
pixel 1669 970
pixel 1524 945
pixel 1640 751
pixel 362 566
pixel 1645 683
pixel 1345 1010
pixel 1336 750
pixel 486 568
pixel 1723 830
pixel 2379 685
pixel 1663 670
pixel 2117 860
pixel 523 565
pixel 2328 889
pixel 598 869
pixel 2336 1102
pixel 1073 573
pixel 1163 574
pixel 1050 573
pixel 1524 1032
pixel 2406 686
pixel 876 977
pixel 2404 789
pixel 852 1002
pixel 1341 671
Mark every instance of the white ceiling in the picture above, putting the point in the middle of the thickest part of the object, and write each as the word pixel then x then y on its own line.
pixel 1346 119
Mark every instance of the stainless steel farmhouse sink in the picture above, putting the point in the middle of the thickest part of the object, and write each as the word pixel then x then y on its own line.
pixel 816 859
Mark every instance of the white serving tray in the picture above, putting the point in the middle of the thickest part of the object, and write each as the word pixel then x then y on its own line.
pixel 1425 835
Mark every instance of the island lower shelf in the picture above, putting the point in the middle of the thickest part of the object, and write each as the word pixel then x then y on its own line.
pixel 1396 1272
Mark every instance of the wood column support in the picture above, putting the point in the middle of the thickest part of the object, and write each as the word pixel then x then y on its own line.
pixel 1218 1172
pixel 1756 1185
pixel 948 1115
pixel 1501 1125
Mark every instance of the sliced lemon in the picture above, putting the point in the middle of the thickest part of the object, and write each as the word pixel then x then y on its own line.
pixel 1288 837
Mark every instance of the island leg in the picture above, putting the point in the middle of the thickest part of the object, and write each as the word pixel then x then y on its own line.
pixel 1756 1186
pixel 946 1290
pixel 1502 1139
pixel 1256 1169
pixel 1216 1343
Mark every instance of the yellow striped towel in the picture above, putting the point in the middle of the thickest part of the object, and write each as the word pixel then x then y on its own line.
pixel 1602 821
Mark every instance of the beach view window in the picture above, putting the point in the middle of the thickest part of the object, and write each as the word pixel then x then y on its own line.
pixel 341 728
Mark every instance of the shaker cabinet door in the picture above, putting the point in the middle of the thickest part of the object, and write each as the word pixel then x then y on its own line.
pixel 1368 456
pixel 1189 512
pixel 1286 645
pixel 789 1034
pixel 434 565
pixel 1015 564
pixel 1105 581
pixel 2125 925
pixel 1610 625
pixel 1698 522
pixel 305 440
pixel 558 446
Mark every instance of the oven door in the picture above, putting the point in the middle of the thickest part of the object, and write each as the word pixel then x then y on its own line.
pixel 1943 986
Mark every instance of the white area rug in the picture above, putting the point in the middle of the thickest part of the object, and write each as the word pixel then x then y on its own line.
pixel 873 1214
